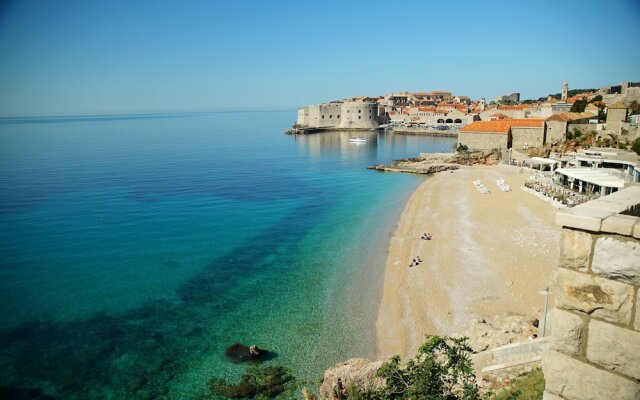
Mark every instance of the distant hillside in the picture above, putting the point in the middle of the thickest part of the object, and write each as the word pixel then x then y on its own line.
pixel 571 93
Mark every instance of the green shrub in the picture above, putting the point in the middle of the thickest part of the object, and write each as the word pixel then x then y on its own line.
pixel 441 370
pixel 636 146
pixel 569 135
pixel 528 386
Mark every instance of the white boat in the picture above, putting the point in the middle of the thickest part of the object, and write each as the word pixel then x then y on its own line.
pixel 359 139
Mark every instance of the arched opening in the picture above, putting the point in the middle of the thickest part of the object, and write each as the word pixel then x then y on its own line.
pixel 457 121
pixel 449 121
pixel 441 121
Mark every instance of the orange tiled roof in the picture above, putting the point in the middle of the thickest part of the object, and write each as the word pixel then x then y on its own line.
pixel 502 125
pixel 571 116
pixel 499 116
pixel 427 109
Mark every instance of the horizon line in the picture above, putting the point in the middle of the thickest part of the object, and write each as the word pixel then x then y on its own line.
pixel 132 114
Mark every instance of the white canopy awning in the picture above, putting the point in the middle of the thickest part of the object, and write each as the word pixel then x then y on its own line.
pixel 593 176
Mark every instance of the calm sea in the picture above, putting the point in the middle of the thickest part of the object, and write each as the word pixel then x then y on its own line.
pixel 135 249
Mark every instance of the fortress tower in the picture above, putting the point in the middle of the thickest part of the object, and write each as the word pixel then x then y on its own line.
pixel 565 91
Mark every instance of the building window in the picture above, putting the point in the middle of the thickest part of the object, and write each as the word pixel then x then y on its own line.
pixel 338 115
pixel 359 111
pixel 322 116
pixel 330 116
pixel 359 117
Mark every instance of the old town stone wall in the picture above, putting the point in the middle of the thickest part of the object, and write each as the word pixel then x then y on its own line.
pixel 526 137
pixel 594 349
pixel 483 140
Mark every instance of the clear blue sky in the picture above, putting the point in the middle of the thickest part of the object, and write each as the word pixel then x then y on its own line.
pixel 83 57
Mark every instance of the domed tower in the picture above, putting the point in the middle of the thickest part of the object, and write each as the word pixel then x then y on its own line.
pixel 565 91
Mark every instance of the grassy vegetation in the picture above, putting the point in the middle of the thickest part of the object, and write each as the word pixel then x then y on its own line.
pixel 528 386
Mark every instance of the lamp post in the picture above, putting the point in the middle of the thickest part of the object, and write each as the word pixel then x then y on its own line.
pixel 545 292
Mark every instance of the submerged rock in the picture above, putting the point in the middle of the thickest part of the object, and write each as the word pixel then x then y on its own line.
pixel 240 353
pixel 358 373
pixel 264 382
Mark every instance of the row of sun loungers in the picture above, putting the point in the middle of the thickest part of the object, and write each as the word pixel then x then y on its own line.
pixel 481 187
pixel 503 185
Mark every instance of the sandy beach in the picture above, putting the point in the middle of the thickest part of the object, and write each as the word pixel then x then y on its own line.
pixel 490 254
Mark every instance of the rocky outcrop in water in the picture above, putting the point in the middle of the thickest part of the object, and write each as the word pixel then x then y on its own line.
pixel 357 373
pixel 429 163
pixel 240 353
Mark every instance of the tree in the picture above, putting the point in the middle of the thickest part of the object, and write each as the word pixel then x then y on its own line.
pixel 634 107
pixel 579 106
pixel 595 98
pixel 441 370
pixel 636 146
pixel 602 116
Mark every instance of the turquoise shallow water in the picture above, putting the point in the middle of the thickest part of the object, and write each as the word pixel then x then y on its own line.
pixel 135 249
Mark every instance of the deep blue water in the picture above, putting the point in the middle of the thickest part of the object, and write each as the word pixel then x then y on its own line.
pixel 135 249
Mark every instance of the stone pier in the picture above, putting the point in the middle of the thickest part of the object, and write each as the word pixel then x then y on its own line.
pixel 594 348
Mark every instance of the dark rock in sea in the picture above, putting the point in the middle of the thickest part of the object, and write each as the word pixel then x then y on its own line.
pixel 240 353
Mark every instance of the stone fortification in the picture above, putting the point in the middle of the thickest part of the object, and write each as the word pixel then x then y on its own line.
pixel 594 349
pixel 357 115
pixel 339 115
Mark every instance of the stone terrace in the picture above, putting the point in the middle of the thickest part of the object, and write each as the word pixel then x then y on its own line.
pixel 594 349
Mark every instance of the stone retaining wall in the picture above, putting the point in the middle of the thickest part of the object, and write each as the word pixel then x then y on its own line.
pixel 594 349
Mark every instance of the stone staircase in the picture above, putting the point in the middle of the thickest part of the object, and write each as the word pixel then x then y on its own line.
pixel 498 366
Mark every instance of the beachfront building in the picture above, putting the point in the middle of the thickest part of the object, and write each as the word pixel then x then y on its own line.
pixel 589 181
pixel 557 125
pixel 597 171
pixel 621 163
pixel 520 133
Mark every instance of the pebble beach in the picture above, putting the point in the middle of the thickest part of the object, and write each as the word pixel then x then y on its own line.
pixel 490 254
